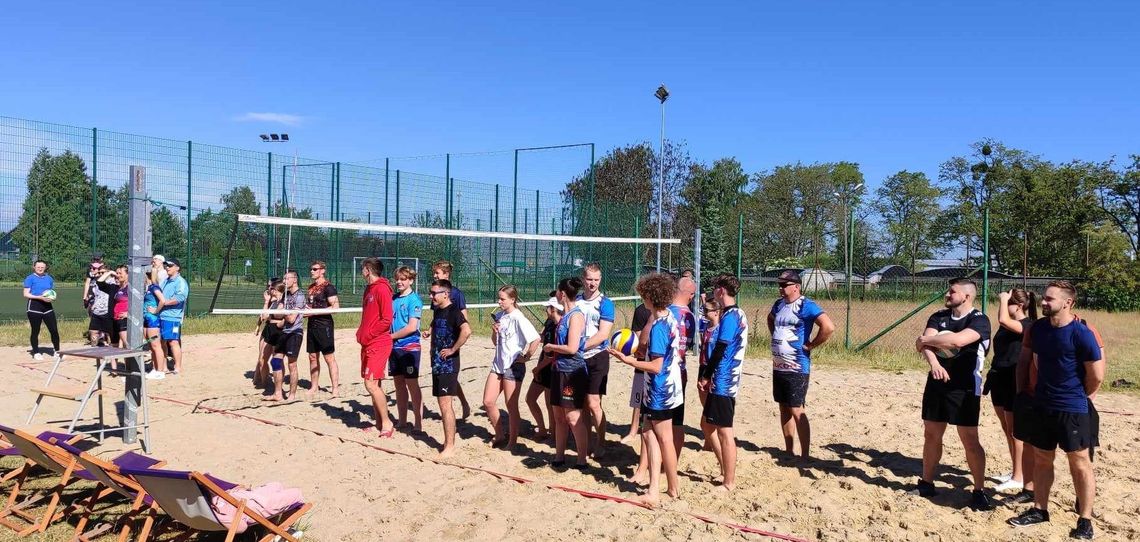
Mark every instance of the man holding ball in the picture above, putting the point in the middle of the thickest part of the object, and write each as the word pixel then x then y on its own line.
pixel 954 344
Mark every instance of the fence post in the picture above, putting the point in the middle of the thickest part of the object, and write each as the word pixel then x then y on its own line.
pixel 850 268
pixel 269 271
pixel 636 247
pixel 94 187
pixel 339 215
pixel 515 214
pixel 495 228
pixel 986 259
pixel 397 214
pixel 739 244
pixel 189 215
pixel 385 204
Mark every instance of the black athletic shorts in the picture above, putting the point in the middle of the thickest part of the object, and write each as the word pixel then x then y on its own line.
pixel 599 373
pixel 942 403
pixel 569 389
pixel 719 410
pixel 444 384
pixel 679 415
pixel 289 344
pixel 270 333
pixel 1001 384
pixel 320 339
pixel 790 389
pixel 1024 417
pixel 1094 419
pixel 657 415
pixel 118 326
pixel 544 376
pixel 404 363
pixel 103 323
pixel 1069 430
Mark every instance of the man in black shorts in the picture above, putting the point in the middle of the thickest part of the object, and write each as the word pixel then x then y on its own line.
pixel 599 311
pixel 289 343
pixel 320 342
pixel 449 330
pixel 954 344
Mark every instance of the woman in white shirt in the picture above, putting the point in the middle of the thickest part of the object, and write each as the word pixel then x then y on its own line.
pixel 516 341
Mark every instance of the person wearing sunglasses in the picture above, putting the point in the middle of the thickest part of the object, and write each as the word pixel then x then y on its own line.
pixel 319 341
pixel 175 290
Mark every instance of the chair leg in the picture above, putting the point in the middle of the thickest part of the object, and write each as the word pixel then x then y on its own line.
pixel 238 515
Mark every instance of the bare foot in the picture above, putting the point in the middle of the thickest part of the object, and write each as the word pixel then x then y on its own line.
pixel 650 500
pixel 275 398
pixel 446 453
pixel 673 493
pixel 725 488
pixel 640 478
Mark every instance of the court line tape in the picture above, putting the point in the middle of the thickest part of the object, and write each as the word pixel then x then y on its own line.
pixel 502 476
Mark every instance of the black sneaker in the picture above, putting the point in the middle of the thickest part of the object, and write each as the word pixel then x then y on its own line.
pixel 1084 530
pixel 1033 516
pixel 980 502
pixel 1023 497
pixel 923 489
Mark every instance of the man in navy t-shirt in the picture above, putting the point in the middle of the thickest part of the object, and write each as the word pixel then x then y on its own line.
pixel 1070 368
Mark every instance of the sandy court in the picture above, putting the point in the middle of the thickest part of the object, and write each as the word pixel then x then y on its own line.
pixel 867 442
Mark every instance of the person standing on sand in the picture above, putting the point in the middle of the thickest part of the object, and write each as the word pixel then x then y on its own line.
pixel 375 338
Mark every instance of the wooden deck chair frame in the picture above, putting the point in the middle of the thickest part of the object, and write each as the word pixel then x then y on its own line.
pixel 10 450
pixel 109 475
pixel 50 457
pixel 191 504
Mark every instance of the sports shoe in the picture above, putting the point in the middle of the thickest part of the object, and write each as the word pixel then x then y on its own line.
pixel 38 356
pixel 1009 486
pixel 1023 497
pixel 1083 531
pixel 1004 478
pixel 923 489
pixel 1033 516
pixel 155 375
pixel 980 502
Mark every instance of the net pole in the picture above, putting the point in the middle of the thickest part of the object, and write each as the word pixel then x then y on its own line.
pixel 397 212
pixel 697 278
pixel 268 211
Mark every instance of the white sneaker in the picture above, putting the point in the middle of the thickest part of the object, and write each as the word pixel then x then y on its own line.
pixel 156 375
pixel 1009 486
pixel 38 356
pixel 1004 478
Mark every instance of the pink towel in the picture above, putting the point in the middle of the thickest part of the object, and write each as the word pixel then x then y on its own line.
pixel 267 500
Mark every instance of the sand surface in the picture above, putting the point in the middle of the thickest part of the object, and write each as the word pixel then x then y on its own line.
pixel 867 446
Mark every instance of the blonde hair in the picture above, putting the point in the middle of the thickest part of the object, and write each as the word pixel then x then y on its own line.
pixel 405 272
pixel 511 292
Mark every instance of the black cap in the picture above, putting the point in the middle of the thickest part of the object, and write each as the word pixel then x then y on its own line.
pixel 171 261
pixel 789 276
pixel 97 256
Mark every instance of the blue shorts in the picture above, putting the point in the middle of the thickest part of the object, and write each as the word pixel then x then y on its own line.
pixel 150 321
pixel 170 330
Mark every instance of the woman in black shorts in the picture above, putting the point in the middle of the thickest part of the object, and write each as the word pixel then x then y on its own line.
pixel 270 333
pixel 1017 309
pixel 543 373
pixel 568 393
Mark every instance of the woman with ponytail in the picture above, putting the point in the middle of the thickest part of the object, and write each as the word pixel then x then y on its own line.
pixel 515 341
pixel 568 394
pixel 1017 309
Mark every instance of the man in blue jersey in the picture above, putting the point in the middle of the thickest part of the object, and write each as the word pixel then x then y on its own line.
pixel 720 378
pixel 790 322
pixel 599 312
pixel 175 290
pixel 954 344
pixel 404 367
pixel 1070 369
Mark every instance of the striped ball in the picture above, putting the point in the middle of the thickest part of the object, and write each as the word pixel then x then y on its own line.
pixel 624 341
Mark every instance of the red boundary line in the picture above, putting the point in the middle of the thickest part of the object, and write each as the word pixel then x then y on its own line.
pixel 499 475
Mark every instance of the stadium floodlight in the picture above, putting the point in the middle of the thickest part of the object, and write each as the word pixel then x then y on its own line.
pixel 661 94
pixel 275 138
pixel 264 137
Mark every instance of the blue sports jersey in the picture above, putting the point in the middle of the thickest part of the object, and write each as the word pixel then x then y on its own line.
pixel 733 332
pixel 1061 356
pixel 597 310
pixel 794 322
pixel 404 309
pixel 38 284
pixel 569 363
pixel 686 329
pixel 150 301
pixel 175 288
pixel 663 390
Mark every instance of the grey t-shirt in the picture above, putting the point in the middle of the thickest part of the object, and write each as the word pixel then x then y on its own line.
pixel 295 301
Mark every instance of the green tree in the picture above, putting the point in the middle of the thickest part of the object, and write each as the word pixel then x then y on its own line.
pixel 54 224
pixel 789 214
pixel 908 205
pixel 1118 196
pixel 710 201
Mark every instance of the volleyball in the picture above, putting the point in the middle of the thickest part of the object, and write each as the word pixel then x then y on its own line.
pixel 624 341
pixel 49 295
pixel 946 353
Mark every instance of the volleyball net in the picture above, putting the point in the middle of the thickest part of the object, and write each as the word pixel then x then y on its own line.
pixel 262 248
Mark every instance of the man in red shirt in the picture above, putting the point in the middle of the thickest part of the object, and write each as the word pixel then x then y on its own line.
pixel 375 338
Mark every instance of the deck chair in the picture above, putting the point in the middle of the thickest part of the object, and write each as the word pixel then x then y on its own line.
pixel 8 450
pixel 108 475
pixel 185 496
pixel 58 461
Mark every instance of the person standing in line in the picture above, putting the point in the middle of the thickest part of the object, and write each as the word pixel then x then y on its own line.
pixel 441 270
pixel 375 338
pixel 790 322
pixel 515 341
pixel 449 332
pixel 404 367
pixel 571 377
pixel 600 312
pixel 320 342
pixel 543 373
pixel 720 378
pixel 121 308
pixel 152 300
pixel 1017 310
pixel 288 345
pixel 1070 370
pixel 175 290
pixel 98 288
pixel 40 309
pixel 687 327
pixel 954 344
pixel 638 326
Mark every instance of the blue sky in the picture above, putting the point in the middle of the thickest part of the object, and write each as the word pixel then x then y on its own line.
pixel 891 85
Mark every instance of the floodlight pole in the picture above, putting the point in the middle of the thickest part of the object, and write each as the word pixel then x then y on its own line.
pixel 662 94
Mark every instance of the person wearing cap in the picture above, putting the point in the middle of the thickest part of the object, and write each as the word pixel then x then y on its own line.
pixel 790 323
pixel 540 384
pixel 175 290
pixel 157 268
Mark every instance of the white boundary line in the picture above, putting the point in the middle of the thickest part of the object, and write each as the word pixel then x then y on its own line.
pixel 314 312
pixel 381 228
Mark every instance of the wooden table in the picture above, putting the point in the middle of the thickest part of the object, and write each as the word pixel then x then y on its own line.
pixel 132 364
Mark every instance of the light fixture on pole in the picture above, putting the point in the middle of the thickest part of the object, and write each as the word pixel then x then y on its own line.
pixel 282 138
pixel 849 242
pixel 662 94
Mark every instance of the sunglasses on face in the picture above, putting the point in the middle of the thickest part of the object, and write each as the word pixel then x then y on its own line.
pixel 437 292
pixel 709 309
pixel 167 264
pixel 315 268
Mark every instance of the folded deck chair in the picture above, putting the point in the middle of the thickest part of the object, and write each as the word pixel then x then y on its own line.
pixel 59 461
pixel 8 450
pixel 185 496
pixel 108 475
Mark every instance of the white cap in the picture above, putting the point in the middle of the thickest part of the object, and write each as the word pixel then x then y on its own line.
pixel 553 302
pixel 160 257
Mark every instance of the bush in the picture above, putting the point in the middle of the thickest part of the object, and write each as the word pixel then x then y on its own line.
pixel 1111 298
